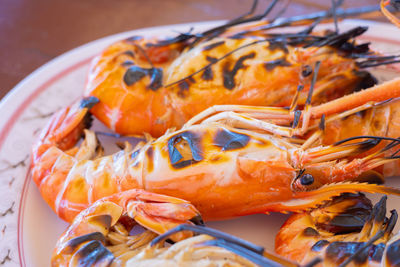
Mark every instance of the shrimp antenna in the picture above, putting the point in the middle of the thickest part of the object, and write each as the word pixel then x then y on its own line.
pixel 256 258
pixel 211 232
pixel 219 29
pixel 236 245
pixel 397 140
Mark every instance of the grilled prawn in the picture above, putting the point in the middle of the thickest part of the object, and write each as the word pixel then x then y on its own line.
pixel 109 233
pixel 223 170
pixel 344 230
pixel 150 85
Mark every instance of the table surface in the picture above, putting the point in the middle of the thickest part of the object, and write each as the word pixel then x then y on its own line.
pixel 34 32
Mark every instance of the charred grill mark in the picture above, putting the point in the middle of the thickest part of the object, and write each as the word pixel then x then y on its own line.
pixel 94 253
pixel 129 53
pixel 237 37
pixel 75 242
pixel 393 252
pixel 309 231
pixel 184 86
pixel 318 246
pixel 127 63
pixel 278 46
pixel 136 73
pixel 194 142
pixel 207 74
pixel 229 75
pixel 282 62
pixel 213 45
pixel 229 140
pixel 211 59
pixel 150 156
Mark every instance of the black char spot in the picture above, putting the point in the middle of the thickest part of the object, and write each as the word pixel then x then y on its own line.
pixel 213 45
pixel 229 140
pixel 278 45
pixel 129 53
pixel 393 252
pixel 236 36
pixel 74 242
pixel 270 65
pixel 229 75
pixel 127 63
pixel 211 59
pixel 93 253
pixel 318 246
pixel 309 231
pixel 150 153
pixel 135 74
pixel 194 142
pixel 207 74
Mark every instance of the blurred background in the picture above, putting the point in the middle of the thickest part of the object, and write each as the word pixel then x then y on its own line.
pixel 33 32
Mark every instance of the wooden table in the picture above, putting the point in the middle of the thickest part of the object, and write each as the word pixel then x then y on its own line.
pixel 34 32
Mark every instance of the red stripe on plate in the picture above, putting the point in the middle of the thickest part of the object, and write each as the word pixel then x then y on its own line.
pixel 6 130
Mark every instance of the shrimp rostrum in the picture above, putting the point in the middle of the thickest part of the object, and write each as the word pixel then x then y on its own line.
pixel 151 84
pixel 109 233
pixel 223 170
pixel 345 231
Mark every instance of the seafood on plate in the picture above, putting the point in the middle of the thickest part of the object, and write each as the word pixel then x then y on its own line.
pixel 224 170
pixel 148 85
pixel 123 230
pixel 346 231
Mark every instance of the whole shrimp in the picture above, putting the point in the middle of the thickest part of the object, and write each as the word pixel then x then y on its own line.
pixel 108 233
pixel 224 171
pixel 346 230
pixel 150 84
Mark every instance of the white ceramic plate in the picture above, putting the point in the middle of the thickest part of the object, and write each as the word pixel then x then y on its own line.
pixel 28 227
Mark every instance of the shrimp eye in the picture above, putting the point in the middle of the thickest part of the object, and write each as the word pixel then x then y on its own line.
pixel 306 179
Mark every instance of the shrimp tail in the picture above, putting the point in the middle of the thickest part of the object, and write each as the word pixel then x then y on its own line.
pixel 66 126
pixel 312 199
